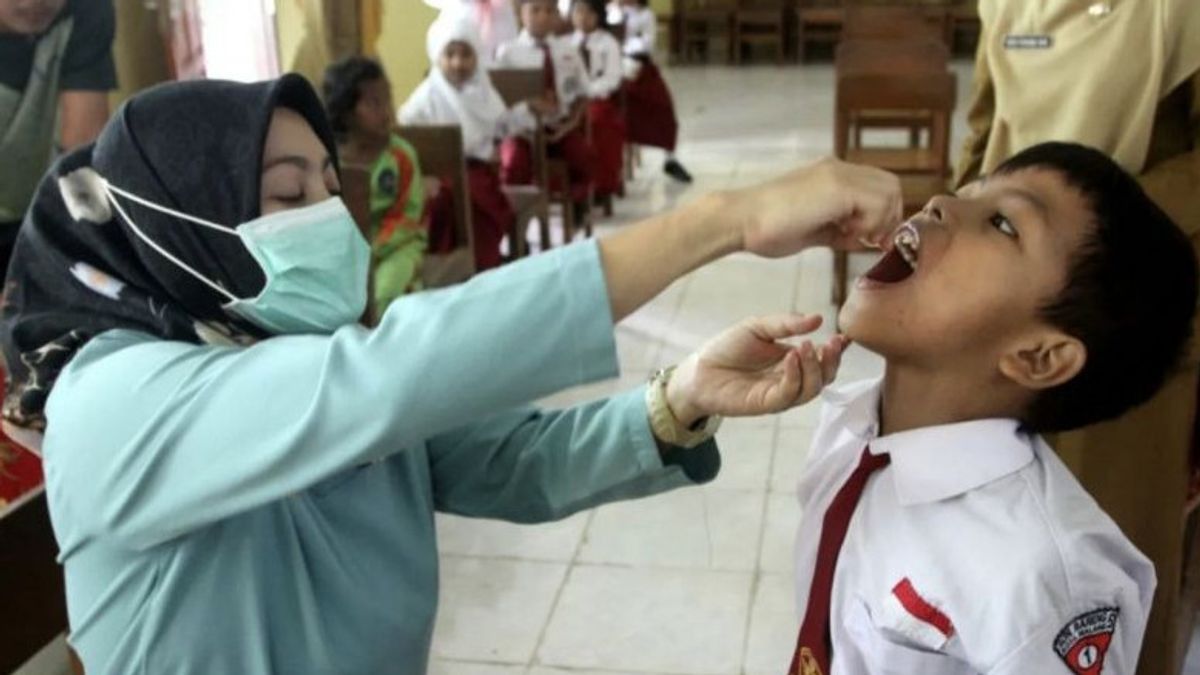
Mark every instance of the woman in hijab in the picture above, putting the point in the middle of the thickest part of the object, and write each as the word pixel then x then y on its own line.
pixel 242 479
pixel 458 91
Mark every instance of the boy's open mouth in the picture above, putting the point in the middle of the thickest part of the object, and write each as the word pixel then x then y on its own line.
pixel 901 260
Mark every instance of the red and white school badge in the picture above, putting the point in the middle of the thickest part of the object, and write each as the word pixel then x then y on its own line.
pixel 1084 641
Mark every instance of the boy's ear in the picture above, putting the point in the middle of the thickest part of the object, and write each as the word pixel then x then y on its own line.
pixel 1044 360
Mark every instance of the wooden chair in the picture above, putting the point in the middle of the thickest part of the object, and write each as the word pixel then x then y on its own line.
pixel 817 22
pixel 964 26
pixel 518 85
pixel 356 193
pixel 892 22
pixel 703 21
pixel 888 56
pixel 550 175
pixel 35 607
pixel 760 22
pixel 440 148
pixel 923 170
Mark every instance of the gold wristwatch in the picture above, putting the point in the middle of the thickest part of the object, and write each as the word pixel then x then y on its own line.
pixel 666 427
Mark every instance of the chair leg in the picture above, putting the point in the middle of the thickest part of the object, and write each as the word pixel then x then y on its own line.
pixel 841 274
pixel 544 227
pixel 568 208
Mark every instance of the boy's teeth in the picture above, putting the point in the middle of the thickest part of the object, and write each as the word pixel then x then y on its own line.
pixel 908 242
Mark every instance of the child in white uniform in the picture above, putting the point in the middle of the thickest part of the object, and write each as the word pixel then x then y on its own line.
pixel 458 91
pixel 941 535
pixel 601 55
pixel 567 83
pixel 651 116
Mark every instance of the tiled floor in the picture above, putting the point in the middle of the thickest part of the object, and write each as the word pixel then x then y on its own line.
pixel 695 581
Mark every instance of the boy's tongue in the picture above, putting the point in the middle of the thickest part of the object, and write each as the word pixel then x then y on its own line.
pixel 891 268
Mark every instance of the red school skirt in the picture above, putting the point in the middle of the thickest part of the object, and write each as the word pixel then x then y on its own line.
pixel 650 110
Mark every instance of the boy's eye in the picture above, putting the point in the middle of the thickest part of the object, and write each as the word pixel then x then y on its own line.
pixel 1002 223
pixel 290 199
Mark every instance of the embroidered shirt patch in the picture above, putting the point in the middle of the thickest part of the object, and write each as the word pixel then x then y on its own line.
pixel 1083 642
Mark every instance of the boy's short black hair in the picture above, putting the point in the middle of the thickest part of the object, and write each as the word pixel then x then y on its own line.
pixel 341 89
pixel 599 8
pixel 1130 293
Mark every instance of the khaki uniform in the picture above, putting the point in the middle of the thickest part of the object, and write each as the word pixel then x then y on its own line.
pixel 1122 76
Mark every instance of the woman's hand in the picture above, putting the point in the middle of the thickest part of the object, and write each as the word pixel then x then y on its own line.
pixel 748 371
pixel 829 203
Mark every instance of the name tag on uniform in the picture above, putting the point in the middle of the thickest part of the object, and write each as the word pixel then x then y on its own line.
pixel 1028 42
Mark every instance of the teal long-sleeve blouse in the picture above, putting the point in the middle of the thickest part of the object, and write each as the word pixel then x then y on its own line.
pixel 269 509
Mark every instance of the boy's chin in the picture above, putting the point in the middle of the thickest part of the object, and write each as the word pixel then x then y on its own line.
pixel 872 330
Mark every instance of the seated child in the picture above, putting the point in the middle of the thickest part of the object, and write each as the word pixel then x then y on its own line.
pixel 358 100
pixel 496 21
pixel 650 111
pixel 566 83
pixel 458 91
pixel 941 534
pixel 601 55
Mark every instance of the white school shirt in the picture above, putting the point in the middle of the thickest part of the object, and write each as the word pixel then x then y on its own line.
pixel 570 77
pixel 974 551
pixel 641 29
pixel 605 71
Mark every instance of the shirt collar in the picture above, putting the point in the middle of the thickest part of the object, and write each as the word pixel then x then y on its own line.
pixel 528 39
pixel 933 463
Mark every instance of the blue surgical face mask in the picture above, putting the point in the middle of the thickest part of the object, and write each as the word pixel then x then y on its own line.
pixel 314 258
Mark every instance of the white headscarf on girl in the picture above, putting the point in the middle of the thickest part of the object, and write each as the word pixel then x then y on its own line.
pixel 495 19
pixel 476 106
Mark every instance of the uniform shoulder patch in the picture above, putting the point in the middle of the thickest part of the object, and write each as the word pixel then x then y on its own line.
pixel 1084 641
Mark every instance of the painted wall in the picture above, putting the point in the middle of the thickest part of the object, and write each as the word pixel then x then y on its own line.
pixel 401 46
pixel 138 52
pixel 289 30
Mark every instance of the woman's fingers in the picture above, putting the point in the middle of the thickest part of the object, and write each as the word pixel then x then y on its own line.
pixel 831 358
pixel 810 369
pixel 784 395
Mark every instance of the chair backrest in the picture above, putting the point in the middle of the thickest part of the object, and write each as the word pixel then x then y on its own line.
pixel 440 148
pixel 356 192
pixel 706 6
pixel 887 23
pixel 891 56
pixel 517 85
pixel 35 608
pixel 774 5
pixel 932 92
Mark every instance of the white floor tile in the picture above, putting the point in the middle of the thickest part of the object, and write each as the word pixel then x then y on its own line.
pixel 774 625
pixel 791 453
pixel 442 667
pixel 746 449
pixel 494 610
pixel 658 621
pixel 695 528
pixel 554 542
pixel 779 533
pixel 544 670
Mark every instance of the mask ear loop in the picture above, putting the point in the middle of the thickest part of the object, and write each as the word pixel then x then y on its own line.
pixel 111 193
